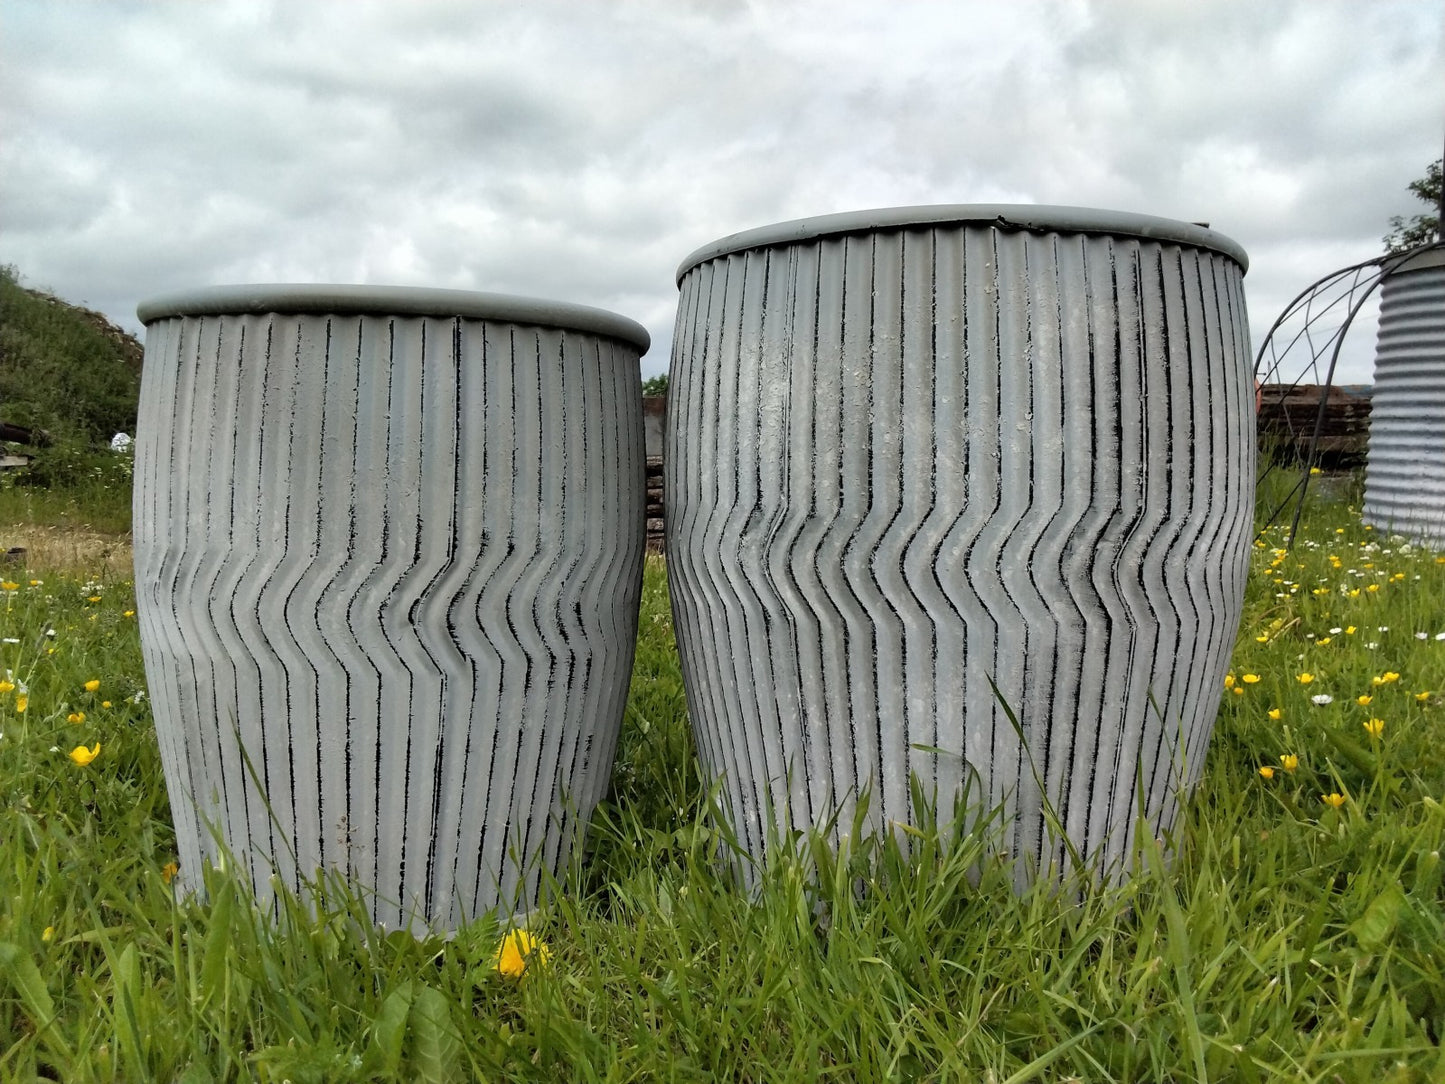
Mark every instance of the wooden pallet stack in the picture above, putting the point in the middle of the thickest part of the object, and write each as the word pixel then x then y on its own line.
pixel 654 504
pixel 1288 414
pixel 654 411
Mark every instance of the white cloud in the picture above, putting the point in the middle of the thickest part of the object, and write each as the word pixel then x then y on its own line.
pixel 580 151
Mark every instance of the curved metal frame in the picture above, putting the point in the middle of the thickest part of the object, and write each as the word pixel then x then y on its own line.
pixel 1364 279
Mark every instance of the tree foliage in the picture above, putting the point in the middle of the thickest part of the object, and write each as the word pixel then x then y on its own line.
pixel 1421 229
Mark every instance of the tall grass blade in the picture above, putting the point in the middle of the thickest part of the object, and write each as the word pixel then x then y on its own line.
pixel 126 971
pixel 218 942
pixel 1180 954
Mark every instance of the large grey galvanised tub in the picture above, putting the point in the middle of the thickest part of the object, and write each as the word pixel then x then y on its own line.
pixel 1405 466
pixel 912 451
pixel 388 550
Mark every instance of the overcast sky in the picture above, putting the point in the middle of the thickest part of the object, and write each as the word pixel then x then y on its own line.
pixel 578 151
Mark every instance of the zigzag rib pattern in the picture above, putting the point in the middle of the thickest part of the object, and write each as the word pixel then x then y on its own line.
pixel 905 463
pixel 388 574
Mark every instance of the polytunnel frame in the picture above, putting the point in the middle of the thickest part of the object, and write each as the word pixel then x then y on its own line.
pixel 1384 266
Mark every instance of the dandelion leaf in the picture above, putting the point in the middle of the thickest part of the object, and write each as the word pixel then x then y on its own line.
pixel 1373 928
pixel 388 1032
pixel 437 1049
pixel 25 977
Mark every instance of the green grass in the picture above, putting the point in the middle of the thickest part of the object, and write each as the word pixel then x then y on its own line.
pixel 1286 940
pixel 98 499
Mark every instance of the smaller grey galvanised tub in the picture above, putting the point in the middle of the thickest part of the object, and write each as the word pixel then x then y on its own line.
pixel 388 549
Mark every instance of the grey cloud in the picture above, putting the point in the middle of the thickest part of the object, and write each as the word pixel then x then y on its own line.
pixel 580 151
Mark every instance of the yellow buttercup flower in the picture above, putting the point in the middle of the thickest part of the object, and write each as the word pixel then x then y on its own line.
pixel 1333 800
pixel 1423 697
pixel 169 871
pixel 83 756
pixel 21 703
pixel 517 950
pixel 92 685
pixel 1386 678
pixel 1374 727
pixel 1251 679
pixel 7 686
pixel 1276 714
pixel 1305 679
pixel 47 933
pixel 9 585
pixel 1267 772
pixel 1364 700
pixel 1289 761
pixel 1229 681
pixel 75 717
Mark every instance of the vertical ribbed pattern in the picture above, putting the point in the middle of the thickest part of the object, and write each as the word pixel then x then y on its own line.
pixel 1405 467
pixel 395 563
pixel 903 463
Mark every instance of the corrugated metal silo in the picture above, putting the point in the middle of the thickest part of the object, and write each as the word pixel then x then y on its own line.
pixel 1405 469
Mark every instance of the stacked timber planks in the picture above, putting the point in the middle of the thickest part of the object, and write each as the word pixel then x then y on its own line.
pixel 1290 413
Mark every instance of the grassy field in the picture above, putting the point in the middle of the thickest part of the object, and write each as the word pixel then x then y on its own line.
pixel 1298 934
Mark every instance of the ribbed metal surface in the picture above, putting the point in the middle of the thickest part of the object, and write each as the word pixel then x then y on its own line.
pixel 1405 466
pixel 394 563
pixel 904 463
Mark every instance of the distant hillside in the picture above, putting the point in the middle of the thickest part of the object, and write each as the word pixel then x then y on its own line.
pixel 64 369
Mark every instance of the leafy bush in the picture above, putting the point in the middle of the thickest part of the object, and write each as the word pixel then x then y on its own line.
pixel 64 369
pixel 71 464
